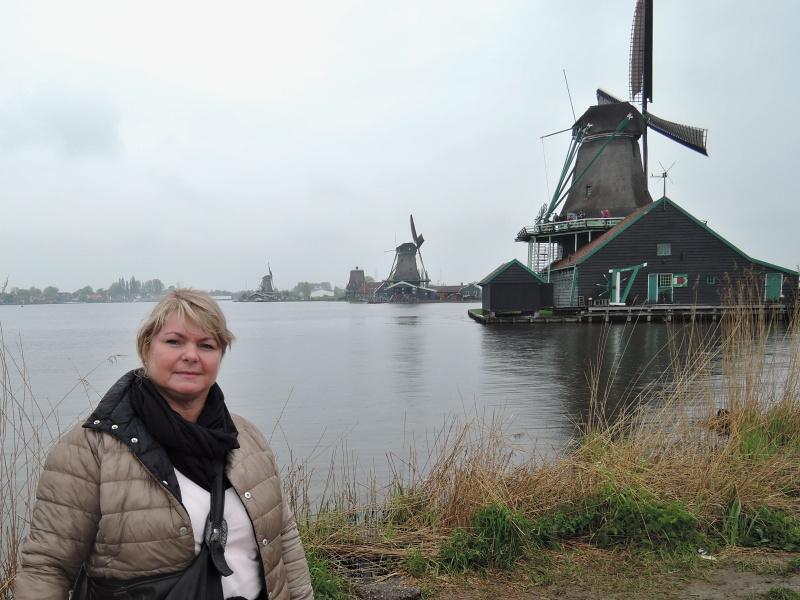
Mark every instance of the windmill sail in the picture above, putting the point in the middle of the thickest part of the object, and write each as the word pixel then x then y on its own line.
pixel 641 58
pixel 687 135
pixel 418 239
pixel 603 97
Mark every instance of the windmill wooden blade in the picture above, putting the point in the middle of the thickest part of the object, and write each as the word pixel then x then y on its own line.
pixel 418 239
pixel 424 279
pixel 603 97
pixel 687 135
pixel 641 58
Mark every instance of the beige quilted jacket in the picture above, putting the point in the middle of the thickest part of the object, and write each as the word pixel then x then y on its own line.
pixel 98 503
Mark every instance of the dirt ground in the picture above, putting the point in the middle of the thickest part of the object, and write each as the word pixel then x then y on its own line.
pixel 741 576
pixel 724 584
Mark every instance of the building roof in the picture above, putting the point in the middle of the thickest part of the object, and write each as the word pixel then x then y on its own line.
pixel 505 266
pixel 405 284
pixel 590 249
pixel 586 251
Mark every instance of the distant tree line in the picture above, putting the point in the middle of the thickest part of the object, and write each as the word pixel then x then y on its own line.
pixel 303 290
pixel 130 290
pixel 122 290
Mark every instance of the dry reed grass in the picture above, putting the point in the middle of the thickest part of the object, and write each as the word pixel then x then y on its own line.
pixel 20 459
pixel 27 429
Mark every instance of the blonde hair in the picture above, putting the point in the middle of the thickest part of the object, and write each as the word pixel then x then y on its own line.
pixel 191 305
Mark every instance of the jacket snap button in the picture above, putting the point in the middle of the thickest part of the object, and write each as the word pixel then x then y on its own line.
pixel 183 530
pixel 248 495
pixel 96 422
pixel 115 426
pixel 265 542
pixel 134 440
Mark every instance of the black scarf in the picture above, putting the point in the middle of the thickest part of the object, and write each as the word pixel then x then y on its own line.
pixel 193 448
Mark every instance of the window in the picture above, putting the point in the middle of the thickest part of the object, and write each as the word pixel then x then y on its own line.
pixel 663 249
pixel 665 280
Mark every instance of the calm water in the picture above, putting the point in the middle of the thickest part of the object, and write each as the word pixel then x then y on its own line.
pixel 371 377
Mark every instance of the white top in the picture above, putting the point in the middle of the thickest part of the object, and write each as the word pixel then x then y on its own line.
pixel 241 549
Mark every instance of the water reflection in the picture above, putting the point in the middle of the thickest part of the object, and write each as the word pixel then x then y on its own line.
pixel 409 355
pixel 545 372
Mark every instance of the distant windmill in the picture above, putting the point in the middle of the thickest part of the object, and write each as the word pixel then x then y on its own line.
pixel 404 267
pixel 267 283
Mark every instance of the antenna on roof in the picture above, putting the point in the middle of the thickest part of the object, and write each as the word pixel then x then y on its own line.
pixel 664 176
pixel 569 95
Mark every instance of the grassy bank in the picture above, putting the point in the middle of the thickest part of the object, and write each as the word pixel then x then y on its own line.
pixel 705 460
pixel 700 464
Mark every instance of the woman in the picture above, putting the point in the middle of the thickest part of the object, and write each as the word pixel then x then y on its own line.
pixel 127 494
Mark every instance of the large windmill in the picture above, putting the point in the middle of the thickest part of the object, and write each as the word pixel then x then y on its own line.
pixel 404 267
pixel 604 175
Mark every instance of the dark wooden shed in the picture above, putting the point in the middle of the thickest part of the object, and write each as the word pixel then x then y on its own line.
pixel 514 288
pixel 661 254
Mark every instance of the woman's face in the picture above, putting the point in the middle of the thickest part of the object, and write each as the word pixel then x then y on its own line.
pixel 183 360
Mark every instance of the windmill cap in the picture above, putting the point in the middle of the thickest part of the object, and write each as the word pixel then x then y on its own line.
pixel 605 118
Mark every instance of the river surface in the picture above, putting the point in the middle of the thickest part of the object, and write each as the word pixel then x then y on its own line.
pixel 370 379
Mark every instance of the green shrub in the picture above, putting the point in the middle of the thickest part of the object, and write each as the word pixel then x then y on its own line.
pixel 734 525
pixel 776 432
pixel 550 530
pixel 628 517
pixel 782 593
pixel 636 517
pixel 762 527
pixel 774 529
pixel 794 565
pixel 498 537
pixel 327 583
pixel 415 563
pixel 458 552
pixel 756 443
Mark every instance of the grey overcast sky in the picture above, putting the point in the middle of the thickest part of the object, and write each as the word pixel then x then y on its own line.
pixel 195 141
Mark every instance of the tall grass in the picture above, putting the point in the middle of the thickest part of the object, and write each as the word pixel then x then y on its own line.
pixel 21 431
pixel 27 429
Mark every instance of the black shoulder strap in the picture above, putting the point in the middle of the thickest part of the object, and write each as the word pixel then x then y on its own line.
pixel 216 533
pixel 218 494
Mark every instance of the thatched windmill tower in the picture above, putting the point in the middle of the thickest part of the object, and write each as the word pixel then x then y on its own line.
pixel 266 291
pixel 408 281
pixel 404 267
pixel 604 176
pixel 267 287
